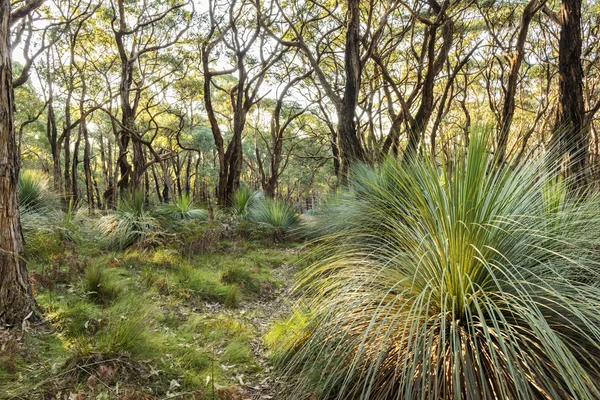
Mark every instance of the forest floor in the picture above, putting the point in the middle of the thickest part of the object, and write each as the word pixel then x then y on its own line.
pixel 151 324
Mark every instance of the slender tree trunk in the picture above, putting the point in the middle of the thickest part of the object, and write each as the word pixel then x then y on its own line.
pixel 67 145
pixel 89 185
pixel 188 174
pixel 571 134
pixel 52 135
pixel 508 108
pixel 74 181
pixel 158 194
pixel 16 297
pixel 348 137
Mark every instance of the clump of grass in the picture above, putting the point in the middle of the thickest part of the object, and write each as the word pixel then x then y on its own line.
pixel 100 286
pixel 240 354
pixel 202 284
pixel 289 334
pixel 182 209
pixel 234 274
pixel 219 329
pixel 451 283
pixel 131 224
pixel 276 215
pixel 128 329
pixel 234 296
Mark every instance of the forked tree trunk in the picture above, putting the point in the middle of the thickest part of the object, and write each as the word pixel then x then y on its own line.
pixel 16 298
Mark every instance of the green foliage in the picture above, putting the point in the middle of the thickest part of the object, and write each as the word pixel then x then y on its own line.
pixel 131 224
pixel 182 209
pixel 100 285
pixel 34 195
pixel 243 199
pixel 277 215
pixel 288 334
pixel 234 296
pixel 234 274
pixel 451 283
pixel 202 284
pixel 128 329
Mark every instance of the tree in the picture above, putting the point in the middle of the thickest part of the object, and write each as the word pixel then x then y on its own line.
pixel 571 132
pixel 144 38
pixel 16 297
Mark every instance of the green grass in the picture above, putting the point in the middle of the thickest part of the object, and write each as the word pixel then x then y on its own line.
pixel 146 308
pixel 100 285
pixel 470 281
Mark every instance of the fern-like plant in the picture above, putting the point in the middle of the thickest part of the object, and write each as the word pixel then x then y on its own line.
pixel 467 282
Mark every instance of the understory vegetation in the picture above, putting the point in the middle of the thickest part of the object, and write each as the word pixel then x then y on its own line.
pixel 299 200
pixel 150 301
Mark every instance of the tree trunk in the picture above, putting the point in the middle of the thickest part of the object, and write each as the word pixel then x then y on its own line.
pixel 571 135
pixel 67 144
pixel 508 108
pixel 52 135
pixel 16 297
pixel 74 166
pixel 89 185
pixel 348 138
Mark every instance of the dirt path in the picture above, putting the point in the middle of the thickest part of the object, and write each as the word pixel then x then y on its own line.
pixel 265 385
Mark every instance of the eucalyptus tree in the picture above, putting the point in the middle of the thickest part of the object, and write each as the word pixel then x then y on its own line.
pixel 238 30
pixel 17 303
pixel 318 30
pixel 572 132
pixel 141 31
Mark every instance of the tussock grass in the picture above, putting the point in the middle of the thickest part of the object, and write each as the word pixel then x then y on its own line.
pixel 131 224
pixel 100 285
pixel 469 281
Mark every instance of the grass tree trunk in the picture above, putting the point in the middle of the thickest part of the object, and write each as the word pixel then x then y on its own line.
pixel 571 135
pixel 16 297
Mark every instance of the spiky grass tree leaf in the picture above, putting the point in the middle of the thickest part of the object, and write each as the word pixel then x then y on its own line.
pixel 130 223
pixel 182 209
pixel 274 214
pixel 466 282
pixel 243 199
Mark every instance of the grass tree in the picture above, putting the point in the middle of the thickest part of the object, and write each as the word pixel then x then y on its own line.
pixel 450 283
